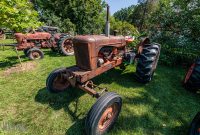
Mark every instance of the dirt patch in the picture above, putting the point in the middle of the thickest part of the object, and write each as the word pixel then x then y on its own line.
pixel 27 66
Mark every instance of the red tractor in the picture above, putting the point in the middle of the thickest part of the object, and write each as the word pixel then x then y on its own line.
pixel 94 56
pixel 192 83
pixel 32 43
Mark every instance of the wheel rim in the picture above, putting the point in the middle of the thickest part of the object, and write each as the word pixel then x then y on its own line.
pixel 108 116
pixel 68 46
pixel 59 83
pixel 36 55
pixel 189 73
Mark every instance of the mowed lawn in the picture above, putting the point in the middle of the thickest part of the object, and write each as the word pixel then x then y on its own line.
pixel 161 107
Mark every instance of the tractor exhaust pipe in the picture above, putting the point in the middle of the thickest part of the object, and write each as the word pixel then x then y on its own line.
pixel 107 29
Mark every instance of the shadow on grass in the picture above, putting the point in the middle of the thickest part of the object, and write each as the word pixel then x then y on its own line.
pixel 126 80
pixel 77 128
pixel 11 61
pixel 61 100
pixel 168 105
pixel 51 53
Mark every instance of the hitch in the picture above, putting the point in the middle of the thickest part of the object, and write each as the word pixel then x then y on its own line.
pixel 90 87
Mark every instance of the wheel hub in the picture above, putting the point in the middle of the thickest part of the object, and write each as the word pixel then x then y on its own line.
pixel 60 83
pixel 68 46
pixel 35 55
pixel 107 117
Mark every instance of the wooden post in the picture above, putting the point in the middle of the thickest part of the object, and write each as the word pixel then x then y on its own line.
pixel 18 56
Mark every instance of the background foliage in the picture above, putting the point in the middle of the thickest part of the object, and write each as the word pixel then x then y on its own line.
pixel 173 23
pixel 81 16
pixel 84 15
pixel 18 15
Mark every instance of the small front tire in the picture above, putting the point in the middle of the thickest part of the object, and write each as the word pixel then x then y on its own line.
pixel 35 54
pixel 103 114
pixel 56 82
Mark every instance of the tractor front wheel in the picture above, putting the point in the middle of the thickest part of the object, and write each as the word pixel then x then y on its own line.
pixel 195 125
pixel 103 114
pixel 56 82
pixel 192 78
pixel 35 54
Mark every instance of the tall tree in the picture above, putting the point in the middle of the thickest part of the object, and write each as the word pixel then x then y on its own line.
pixel 84 14
pixel 124 14
pixel 18 15
pixel 138 14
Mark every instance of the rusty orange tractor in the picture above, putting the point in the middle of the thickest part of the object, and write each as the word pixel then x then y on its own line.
pixel 32 43
pixel 94 56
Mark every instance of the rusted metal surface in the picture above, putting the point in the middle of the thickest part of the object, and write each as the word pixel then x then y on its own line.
pixel 88 89
pixel 143 42
pixel 108 116
pixel 68 45
pixel 94 56
pixel 37 39
pixel 189 73
pixel 60 83
pixel 87 49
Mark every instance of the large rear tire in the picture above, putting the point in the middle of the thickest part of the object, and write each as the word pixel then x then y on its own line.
pixel 66 45
pixel 56 82
pixel 192 78
pixel 147 62
pixel 195 125
pixel 103 114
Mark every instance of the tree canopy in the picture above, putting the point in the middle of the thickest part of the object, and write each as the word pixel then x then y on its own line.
pixel 86 15
pixel 173 23
pixel 18 15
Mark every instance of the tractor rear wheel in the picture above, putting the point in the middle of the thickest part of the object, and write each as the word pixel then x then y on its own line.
pixel 195 125
pixel 192 78
pixel 103 114
pixel 147 62
pixel 35 54
pixel 66 45
pixel 56 82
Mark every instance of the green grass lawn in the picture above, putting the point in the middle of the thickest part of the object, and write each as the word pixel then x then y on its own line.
pixel 7 41
pixel 161 107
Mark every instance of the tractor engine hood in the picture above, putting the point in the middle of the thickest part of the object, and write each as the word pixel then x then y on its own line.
pixel 87 48
pixel 32 36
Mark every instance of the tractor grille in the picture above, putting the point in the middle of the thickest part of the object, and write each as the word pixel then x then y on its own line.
pixel 82 56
